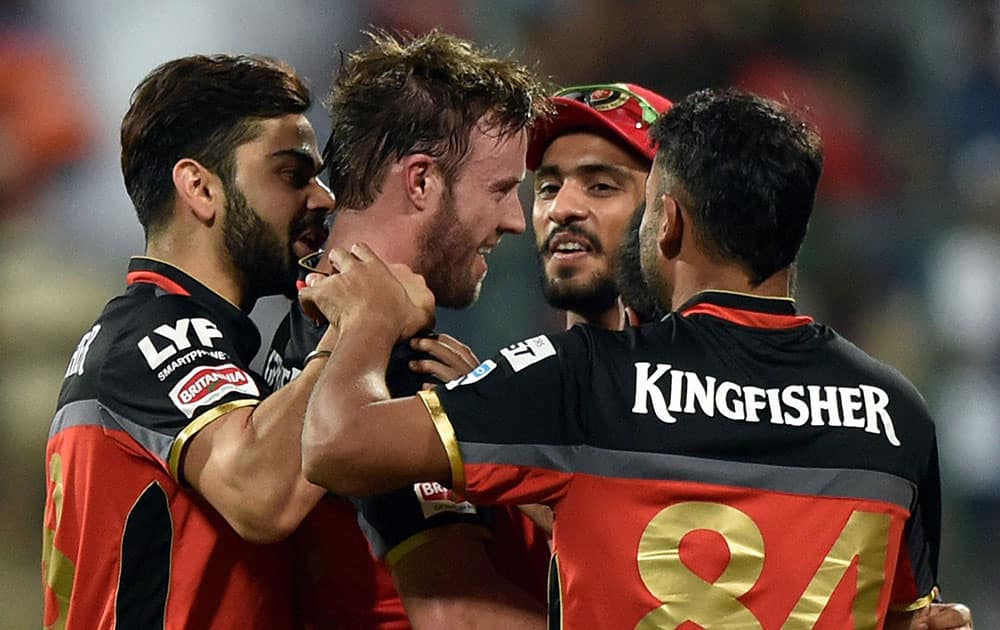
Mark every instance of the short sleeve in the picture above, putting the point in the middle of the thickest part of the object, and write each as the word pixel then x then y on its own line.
pixel 398 522
pixel 173 370
pixel 516 418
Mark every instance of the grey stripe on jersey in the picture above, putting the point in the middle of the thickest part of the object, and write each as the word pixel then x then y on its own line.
pixel 831 482
pixel 91 412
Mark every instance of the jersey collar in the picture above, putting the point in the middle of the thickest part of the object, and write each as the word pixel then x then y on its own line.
pixel 174 281
pixel 746 310
pixel 170 279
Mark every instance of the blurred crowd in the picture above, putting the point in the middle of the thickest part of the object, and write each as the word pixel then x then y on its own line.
pixel 901 255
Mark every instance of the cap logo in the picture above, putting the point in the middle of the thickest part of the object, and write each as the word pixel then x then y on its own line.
pixel 603 99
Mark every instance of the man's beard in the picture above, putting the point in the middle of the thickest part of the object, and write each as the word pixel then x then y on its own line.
pixel 592 296
pixel 628 274
pixel 658 287
pixel 443 262
pixel 266 266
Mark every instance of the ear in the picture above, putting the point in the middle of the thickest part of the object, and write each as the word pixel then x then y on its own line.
pixel 422 180
pixel 198 189
pixel 672 228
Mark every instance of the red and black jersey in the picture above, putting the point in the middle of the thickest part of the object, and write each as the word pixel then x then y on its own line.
pixel 339 583
pixel 734 465
pixel 126 544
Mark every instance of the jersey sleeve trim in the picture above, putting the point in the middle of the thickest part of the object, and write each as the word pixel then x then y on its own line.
pixel 397 553
pixel 196 425
pixel 447 434
pixel 917 605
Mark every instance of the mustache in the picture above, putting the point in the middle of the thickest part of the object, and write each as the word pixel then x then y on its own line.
pixel 572 228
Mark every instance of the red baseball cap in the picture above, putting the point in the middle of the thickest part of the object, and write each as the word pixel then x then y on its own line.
pixel 621 111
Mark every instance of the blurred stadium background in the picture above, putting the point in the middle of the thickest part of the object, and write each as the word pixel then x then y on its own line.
pixel 903 256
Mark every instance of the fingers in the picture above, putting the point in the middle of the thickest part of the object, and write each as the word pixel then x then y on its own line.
pixel 459 348
pixel 341 259
pixel 442 371
pixel 451 358
pixel 949 617
pixel 310 308
pixel 364 285
pixel 446 349
pixel 362 252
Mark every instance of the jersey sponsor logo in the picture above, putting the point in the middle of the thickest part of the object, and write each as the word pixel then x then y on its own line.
pixel 205 385
pixel 435 499
pixel 528 352
pixel 669 391
pixel 180 336
pixel 275 372
pixel 79 357
pixel 188 359
pixel 477 374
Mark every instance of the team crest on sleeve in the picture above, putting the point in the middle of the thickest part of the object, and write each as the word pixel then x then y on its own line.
pixel 528 352
pixel 478 373
pixel 435 499
pixel 205 385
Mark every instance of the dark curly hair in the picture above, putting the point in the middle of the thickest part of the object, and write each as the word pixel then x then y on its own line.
pixel 747 168
pixel 402 95
pixel 199 107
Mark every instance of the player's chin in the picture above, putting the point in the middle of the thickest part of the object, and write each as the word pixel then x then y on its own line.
pixel 563 266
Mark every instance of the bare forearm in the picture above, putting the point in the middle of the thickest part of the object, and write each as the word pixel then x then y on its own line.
pixel 247 464
pixel 335 430
pixel 271 462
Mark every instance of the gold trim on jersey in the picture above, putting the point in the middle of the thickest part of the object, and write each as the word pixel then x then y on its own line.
pixel 199 423
pixel 420 539
pixel 782 298
pixel 447 434
pixel 917 605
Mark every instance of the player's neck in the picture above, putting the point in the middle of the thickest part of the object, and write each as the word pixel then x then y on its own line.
pixel 391 236
pixel 201 258
pixel 689 282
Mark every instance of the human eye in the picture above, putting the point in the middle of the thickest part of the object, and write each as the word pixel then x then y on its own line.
pixel 603 187
pixel 297 177
pixel 546 189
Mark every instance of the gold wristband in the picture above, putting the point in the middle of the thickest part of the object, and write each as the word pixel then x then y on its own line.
pixel 315 354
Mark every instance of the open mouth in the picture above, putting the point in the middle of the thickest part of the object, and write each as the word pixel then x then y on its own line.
pixel 570 244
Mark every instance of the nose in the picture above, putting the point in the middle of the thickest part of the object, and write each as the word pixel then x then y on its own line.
pixel 567 206
pixel 320 197
pixel 512 217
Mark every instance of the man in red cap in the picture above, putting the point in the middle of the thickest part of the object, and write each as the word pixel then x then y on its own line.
pixel 590 161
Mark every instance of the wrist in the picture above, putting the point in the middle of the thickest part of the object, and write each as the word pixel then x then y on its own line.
pixel 374 329
pixel 322 355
